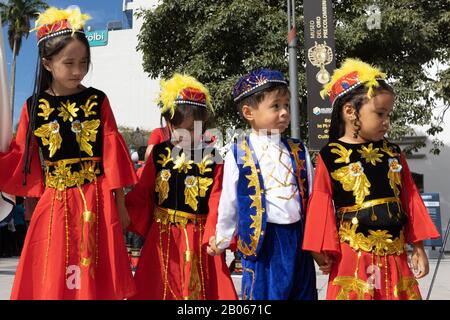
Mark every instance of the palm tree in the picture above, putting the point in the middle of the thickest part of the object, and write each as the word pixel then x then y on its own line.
pixel 17 14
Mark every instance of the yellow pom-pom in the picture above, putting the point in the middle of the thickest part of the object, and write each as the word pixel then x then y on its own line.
pixel 171 89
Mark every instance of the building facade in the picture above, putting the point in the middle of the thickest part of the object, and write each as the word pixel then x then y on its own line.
pixel 117 69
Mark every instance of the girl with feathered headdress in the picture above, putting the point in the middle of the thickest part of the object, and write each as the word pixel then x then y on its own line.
pixel 74 247
pixel 174 205
pixel 364 206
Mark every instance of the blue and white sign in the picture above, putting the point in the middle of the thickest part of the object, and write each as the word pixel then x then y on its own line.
pixel 97 38
pixel 432 203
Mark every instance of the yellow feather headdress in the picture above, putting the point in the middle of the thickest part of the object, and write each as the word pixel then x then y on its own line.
pixel 351 75
pixel 183 89
pixel 54 21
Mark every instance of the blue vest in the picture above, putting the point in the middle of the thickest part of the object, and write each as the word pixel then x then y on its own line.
pixel 251 199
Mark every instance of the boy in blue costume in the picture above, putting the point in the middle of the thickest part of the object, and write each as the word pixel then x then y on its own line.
pixel 264 196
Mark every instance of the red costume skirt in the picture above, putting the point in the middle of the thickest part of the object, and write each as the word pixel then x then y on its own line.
pixel 360 275
pixel 174 264
pixel 74 248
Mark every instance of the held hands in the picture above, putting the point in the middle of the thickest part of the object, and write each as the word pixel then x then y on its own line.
pixel 212 249
pixel 324 260
pixel 419 261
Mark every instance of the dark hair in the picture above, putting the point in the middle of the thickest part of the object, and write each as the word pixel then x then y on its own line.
pixel 255 99
pixel 43 79
pixel 183 111
pixel 357 98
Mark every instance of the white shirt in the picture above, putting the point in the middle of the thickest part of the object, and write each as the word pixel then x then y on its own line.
pixel 281 192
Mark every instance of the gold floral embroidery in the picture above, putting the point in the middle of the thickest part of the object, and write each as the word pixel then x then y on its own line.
pixel 162 185
pixel 295 151
pixel 86 132
pixel 256 225
pixel 49 133
pixel 203 184
pixel 353 178
pixel 165 159
pixel 68 111
pixel 87 107
pixel 350 284
pixel 46 109
pixel 342 152
pixel 371 155
pixel 389 150
pixel 181 164
pixel 191 191
pixel 62 176
pixel 203 165
pixel 194 187
pixel 394 176
pixel 169 216
pixel 407 284
pixel 379 242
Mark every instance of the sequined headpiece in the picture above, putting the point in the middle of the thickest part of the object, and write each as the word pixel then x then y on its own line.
pixel 256 81
pixel 54 22
pixel 352 74
pixel 183 89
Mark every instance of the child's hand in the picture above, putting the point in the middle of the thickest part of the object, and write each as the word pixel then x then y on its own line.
pixel 123 216
pixel 212 249
pixel 324 260
pixel 419 261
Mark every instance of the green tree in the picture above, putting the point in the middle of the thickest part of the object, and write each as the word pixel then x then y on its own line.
pixel 217 41
pixel 17 14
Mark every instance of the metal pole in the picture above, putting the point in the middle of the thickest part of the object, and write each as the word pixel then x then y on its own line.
pixel 293 77
pixel 441 253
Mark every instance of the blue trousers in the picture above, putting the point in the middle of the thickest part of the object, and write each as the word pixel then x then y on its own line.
pixel 282 270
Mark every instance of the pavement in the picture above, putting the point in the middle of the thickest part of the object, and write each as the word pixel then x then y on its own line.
pixel 441 288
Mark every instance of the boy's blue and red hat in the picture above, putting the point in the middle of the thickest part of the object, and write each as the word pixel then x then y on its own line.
pixel 256 81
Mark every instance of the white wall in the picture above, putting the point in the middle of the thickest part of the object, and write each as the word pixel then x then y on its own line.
pixel 117 70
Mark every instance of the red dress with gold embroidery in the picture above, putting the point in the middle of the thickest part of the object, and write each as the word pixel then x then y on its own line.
pixel 174 205
pixel 74 248
pixel 363 208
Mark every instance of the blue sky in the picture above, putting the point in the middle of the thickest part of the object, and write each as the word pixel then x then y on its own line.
pixel 101 12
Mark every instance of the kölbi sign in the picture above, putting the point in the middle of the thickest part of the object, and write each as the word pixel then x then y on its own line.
pixel 97 38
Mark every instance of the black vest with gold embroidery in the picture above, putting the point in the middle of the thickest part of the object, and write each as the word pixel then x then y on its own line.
pixel 367 184
pixel 184 182
pixel 69 132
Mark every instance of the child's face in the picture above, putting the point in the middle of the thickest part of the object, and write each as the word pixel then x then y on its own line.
pixel 188 133
pixel 272 114
pixel 69 66
pixel 374 116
